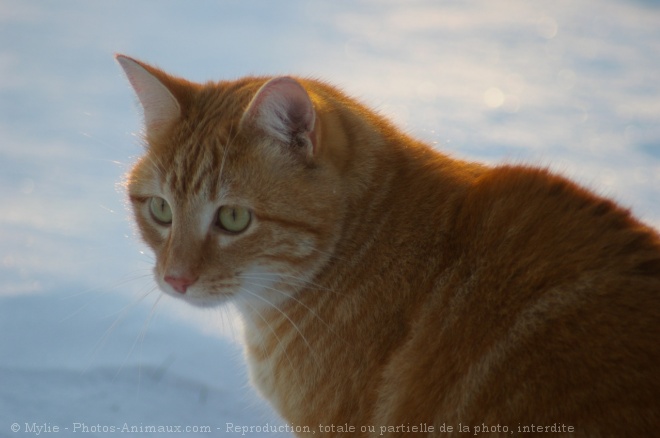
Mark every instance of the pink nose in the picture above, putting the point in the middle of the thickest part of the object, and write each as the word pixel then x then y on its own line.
pixel 180 284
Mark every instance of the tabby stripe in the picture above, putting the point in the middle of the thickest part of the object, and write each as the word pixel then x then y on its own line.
pixel 138 199
pixel 290 224
pixel 293 260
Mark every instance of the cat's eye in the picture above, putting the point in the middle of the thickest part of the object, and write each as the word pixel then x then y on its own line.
pixel 160 210
pixel 233 219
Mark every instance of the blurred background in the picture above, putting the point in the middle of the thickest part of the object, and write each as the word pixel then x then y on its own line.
pixel 84 336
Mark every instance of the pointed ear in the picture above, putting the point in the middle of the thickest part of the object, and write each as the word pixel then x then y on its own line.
pixel 283 110
pixel 160 106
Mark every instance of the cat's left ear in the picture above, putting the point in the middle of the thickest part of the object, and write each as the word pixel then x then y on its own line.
pixel 161 108
pixel 283 110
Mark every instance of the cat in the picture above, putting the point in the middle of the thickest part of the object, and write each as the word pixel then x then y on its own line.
pixel 387 289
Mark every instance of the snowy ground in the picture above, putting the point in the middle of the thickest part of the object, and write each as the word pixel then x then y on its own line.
pixel 570 85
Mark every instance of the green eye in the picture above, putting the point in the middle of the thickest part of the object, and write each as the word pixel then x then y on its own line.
pixel 233 218
pixel 160 210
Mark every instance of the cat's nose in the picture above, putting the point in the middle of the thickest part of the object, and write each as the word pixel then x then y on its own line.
pixel 180 284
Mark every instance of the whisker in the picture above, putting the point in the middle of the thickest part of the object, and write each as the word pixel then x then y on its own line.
pixel 279 340
pixel 126 357
pixel 157 164
pixel 140 338
pixel 123 313
pixel 299 280
pixel 107 288
pixel 330 254
pixel 302 304
pixel 224 154
pixel 226 315
pixel 309 346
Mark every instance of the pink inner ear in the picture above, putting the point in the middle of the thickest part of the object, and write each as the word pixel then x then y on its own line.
pixel 283 109
pixel 160 106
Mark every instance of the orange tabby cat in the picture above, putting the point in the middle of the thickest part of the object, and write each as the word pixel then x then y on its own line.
pixel 388 290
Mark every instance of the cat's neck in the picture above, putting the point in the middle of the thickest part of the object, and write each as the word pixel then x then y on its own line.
pixel 303 338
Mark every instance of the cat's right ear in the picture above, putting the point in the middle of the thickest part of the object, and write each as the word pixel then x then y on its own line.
pixel 161 108
pixel 283 110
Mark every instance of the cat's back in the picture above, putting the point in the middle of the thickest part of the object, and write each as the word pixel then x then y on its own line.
pixel 549 312
pixel 540 217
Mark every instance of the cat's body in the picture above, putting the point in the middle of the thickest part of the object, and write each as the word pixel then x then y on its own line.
pixel 384 285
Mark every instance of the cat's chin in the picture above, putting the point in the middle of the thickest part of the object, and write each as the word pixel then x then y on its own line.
pixel 200 301
pixel 205 302
pixel 195 297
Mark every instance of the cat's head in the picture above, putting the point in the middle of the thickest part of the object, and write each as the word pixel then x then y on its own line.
pixel 234 193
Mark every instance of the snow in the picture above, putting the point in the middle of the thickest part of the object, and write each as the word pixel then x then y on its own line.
pixel 86 337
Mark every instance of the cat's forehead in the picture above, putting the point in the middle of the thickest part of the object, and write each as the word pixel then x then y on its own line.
pixel 207 153
pixel 199 159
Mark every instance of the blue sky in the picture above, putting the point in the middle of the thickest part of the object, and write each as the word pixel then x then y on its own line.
pixel 569 85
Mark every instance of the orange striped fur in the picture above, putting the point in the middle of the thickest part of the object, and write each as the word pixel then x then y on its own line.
pixel 390 288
